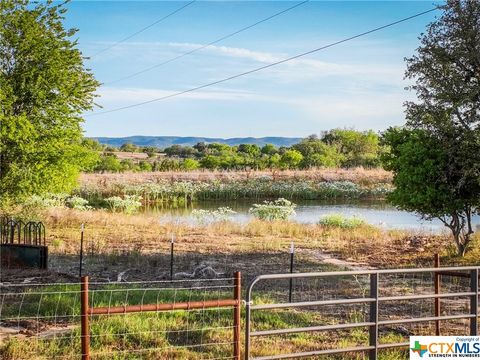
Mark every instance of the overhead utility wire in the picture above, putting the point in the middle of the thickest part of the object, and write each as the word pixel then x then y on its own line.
pixel 145 28
pixel 207 45
pixel 263 67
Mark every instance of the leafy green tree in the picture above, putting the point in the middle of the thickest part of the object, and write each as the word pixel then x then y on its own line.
pixel 44 89
pixel 210 162
pixel 424 185
pixel 180 151
pixel 129 165
pixel 291 159
pixel 129 147
pixel 201 147
pixel 190 164
pixel 251 149
pixel 359 148
pixel 229 160
pixel 330 158
pixel 108 162
pixel 145 166
pixel 443 125
pixel 92 144
pixel 274 161
pixel 217 147
pixel 151 151
pixel 269 149
pixel 318 154
pixel 90 153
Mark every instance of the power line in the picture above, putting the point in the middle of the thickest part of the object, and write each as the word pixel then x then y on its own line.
pixel 207 45
pixel 145 28
pixel 265 66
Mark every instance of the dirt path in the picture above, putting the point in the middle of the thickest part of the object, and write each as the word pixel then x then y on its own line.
pixel 329 259
pixel 24 332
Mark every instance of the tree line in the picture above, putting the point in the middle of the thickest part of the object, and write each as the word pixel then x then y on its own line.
pixel 334 148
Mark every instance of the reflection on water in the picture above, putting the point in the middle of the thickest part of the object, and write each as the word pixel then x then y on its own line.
pixel 376 212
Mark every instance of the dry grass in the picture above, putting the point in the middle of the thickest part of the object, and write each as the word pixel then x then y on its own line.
pixel 358 175
pixel 122 155
pixel 139 244
pixel 144 234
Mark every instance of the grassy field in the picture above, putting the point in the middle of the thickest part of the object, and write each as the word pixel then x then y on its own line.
pixel 137 248
pixel 131 241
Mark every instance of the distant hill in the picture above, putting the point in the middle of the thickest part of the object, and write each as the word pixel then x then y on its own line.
pixel 166 141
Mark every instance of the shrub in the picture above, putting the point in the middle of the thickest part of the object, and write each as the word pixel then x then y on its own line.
pixel 129 204
pixel 46 201
pixel 340 221
pixel 280 209
pixel 209 216
pixel 191 164
pixel 334 189
pixel 77 203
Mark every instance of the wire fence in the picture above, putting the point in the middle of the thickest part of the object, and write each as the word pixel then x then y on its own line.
pixel 43 321
pixel 189 260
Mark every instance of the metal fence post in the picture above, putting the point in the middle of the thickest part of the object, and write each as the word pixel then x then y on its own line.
pixel 248 310
pixel 85 330
pixel 237 324
pixel 172 244
pixel 373 330
pixel 82 227
pixel 474 302
pixel 290 288
pixel 437 280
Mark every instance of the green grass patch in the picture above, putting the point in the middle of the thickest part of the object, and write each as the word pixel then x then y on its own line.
pixel 341 221
pixel 169 335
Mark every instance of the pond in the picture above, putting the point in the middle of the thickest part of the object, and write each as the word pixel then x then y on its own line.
pixel 378 213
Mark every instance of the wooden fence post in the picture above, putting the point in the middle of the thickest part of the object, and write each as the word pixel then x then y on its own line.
pixel 84 310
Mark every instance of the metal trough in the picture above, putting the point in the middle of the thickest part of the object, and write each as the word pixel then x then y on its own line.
pixel 22 245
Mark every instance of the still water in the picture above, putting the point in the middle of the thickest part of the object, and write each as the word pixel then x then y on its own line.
pixel 378 213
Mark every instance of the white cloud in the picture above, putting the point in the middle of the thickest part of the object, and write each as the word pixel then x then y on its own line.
pixel 149 53
pixel 235 52
pixel 373 110
pixel 343 93
pixel 304 68
pixel 136 95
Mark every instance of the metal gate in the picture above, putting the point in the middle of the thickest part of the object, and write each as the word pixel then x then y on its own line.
pixel 377 298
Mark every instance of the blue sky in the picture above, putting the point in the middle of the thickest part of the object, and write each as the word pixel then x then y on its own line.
pixel 358 84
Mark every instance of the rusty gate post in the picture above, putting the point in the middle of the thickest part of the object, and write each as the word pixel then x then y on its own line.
pixel 437 292
pixel 85 330
pixel 237 325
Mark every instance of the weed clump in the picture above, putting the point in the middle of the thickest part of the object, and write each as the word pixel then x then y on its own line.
pixel 280 209
pixel 341 221
pixel 128 205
